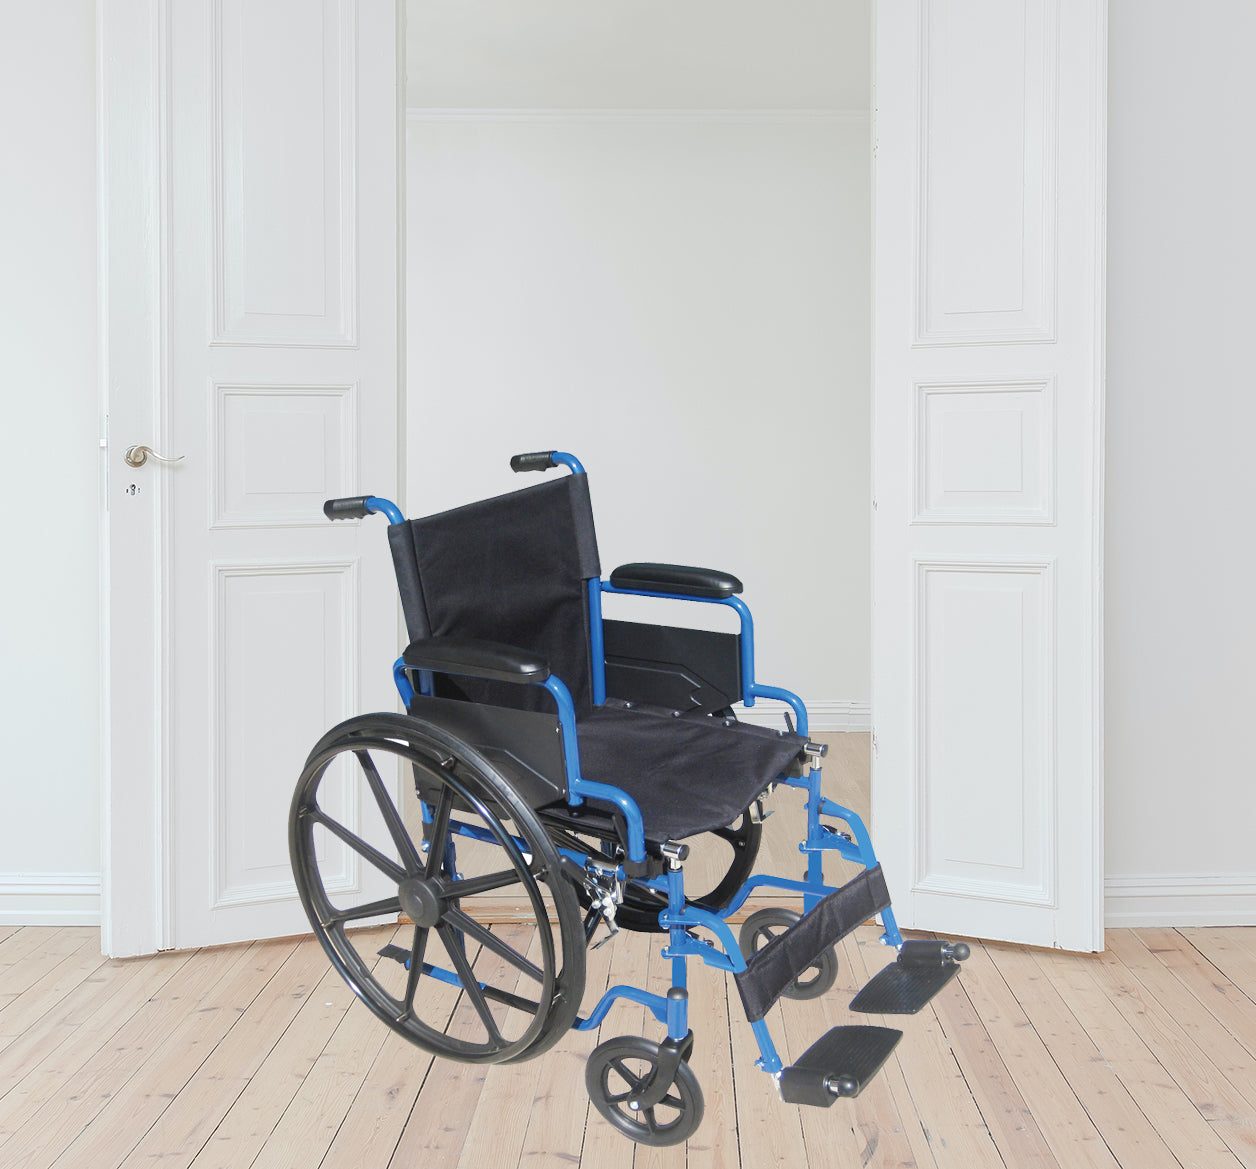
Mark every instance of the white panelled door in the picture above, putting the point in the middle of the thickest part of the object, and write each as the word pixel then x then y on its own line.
pixel 254 623
pixel 989 267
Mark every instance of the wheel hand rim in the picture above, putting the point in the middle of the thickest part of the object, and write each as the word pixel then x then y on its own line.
pixel 558 972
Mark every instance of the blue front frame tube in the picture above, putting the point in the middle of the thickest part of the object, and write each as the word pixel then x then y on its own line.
pixel 579 789
pixel 678 1008
pixel 679 919
pixel 567 722
pixel 821 839
pixel 815 858
pixel 682 945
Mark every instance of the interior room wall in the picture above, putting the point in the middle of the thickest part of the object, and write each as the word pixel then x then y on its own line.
pixel 49 590
pixel 679 295
pixel 650 54
pixel 1181 636
pixel 642 278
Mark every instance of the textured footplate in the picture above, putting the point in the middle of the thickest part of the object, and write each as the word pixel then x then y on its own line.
pixel 840 1063
pixel 902 990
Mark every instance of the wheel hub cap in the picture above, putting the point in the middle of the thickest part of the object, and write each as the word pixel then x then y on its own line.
pixel 420 900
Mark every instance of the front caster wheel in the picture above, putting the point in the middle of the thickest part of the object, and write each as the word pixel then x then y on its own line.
pixel 619 1072
pixel 765 924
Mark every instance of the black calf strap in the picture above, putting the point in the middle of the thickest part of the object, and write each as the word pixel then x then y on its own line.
pixel 789 954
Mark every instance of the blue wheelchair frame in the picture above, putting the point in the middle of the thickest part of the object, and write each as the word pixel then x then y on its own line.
pixel 678 918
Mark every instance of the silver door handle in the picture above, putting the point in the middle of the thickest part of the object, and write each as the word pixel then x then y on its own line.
pixel 137 456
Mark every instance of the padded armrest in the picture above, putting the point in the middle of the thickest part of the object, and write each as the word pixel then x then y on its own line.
pixel 476 659
pixel 678 579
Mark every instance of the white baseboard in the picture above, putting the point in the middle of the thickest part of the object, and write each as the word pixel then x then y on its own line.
pixel 833 715
pixel 1180 899
pixel 49 898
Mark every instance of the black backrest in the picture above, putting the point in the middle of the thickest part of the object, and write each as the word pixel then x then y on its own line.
pixel 512 569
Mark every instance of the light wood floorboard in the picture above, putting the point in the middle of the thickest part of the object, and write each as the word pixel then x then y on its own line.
pixel 258 1055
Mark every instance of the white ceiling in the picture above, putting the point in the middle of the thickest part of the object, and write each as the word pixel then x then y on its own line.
pixel 639 54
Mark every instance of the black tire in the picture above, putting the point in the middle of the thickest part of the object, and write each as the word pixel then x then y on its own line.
pixel 620 1067
pixel 762 926
pixel 491 997
pixel 740 841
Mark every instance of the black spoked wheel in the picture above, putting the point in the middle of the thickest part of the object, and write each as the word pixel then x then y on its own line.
pixel 456 985
pixel 720 862
pixel 762 926
pixel 619 1070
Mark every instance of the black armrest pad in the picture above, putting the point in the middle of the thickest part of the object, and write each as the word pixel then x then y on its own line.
pixel 476 659
pixel 675 578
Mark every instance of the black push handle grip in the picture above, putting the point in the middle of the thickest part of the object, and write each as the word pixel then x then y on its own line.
pixel 347 509
pixel 536 461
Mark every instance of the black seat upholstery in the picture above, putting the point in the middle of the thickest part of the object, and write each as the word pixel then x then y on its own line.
pixel 688 775
pixel 514 569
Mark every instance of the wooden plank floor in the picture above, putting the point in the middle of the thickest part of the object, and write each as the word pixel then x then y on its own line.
pixel 259 1056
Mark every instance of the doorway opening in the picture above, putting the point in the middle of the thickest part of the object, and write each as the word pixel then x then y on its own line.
pixel 642 233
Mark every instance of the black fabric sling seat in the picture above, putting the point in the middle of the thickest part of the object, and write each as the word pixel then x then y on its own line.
pixel 514 569
pixel 688 774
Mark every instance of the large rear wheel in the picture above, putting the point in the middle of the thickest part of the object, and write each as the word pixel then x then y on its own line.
pixel 462 986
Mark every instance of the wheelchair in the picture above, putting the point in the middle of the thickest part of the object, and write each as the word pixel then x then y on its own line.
pixel 569 763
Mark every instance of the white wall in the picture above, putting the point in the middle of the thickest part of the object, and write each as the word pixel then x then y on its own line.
pixel 647 54
pixel 641 233
pixel 49 659
pixel 1181 628
pixel 500 320
pixel 682 301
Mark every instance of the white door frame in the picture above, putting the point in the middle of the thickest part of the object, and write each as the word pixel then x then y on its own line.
pixel 131 38
pixel 133 109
